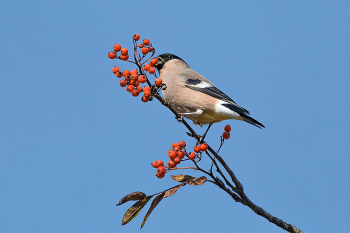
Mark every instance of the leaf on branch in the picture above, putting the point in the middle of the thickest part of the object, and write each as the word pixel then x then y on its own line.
pixel 134 210
pixel 132 197
pixel 181 178
pixel 172 191
pixel 197 181
pixel 155 202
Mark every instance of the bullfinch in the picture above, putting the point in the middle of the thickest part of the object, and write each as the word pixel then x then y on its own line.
pixel 193 96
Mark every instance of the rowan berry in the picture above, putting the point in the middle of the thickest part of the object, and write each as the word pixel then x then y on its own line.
pixel 124 51
pixel 182 144
pixel 122 83
pixel 134 76
pixel 174 145
pixel 142 79
pixel 123 57
pixel 197 149
pixel 172 154
pixel 177 160
pixel 112 55
pixel 136 37
pixel 144 99
pixel 134 71
pixel 145 42
pixel 115 69
pixel 127 78
pixel 204 147
pixel 158 82
pixel 130 88
pixel 135 83
pixel 161 169
pixel 147 88
pixel 126 73
pixel 227 128
pixel 140 46
pixel 171 164
pixel 180 153
pixel 154 164
pixel 226 135
pixel 159 163
pixel 144 50
pixel 160 175
pixel 117 47
pixel 153 62
pixel 147 66
pixel 146 93
pixel 135 93
pixel 139 88
pixel 151 70
pixel 119 74
pixel 192 156
pixel 150 49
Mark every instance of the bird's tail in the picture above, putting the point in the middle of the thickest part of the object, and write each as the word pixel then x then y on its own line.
pixel 252 121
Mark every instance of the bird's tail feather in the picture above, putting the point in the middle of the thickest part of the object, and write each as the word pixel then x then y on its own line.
pixel 252 121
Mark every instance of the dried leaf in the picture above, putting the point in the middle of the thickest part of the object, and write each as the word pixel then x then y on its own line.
pixel 132 197
pixel 155 202
pixel 181 178
pixel 134 210
pixel 172 191
pixel 197 181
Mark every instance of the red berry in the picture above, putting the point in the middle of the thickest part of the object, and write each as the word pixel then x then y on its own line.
pixel 115 69
pixel 227 128
pixel 144 99
pixel 160 175
pixel 119 74
pixel 139 88
pixel 147 66
pixel 142 79
pixel 226 135
pixel 126 73
pixel 153 62
pixel 174 145
pixel 147 88
pixel 172 154
pixel 146 93
pixel 150 49
pixel 145 41
pixel 112 55
pixel 171 164
pixel 204 147
pixel 144 50
pixel 154 164
pixel 159 163
pixel 151 70
pixel 177 160
pixel 134 71
pixel 192 156
pixel 124 51
pixel 161 169
pixel 140 46
pixel 136 37
pixel 122 83
pixel 158 82
pixel 197 149
pixel 117 47
pixel 123 57
pixel 182 144
pixel 180 154
pixel 130 88
pixel 135 93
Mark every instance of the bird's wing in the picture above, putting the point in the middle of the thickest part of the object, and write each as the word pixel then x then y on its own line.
pixel 197 82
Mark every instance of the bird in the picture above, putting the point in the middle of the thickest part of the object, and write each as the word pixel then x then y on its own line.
pixel 194 97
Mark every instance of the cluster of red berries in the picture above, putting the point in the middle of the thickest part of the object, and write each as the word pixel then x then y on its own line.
pixel 226 134
pixel 176 155
pixel 132 79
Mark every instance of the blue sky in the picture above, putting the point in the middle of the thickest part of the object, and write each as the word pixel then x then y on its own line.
pixel 73 142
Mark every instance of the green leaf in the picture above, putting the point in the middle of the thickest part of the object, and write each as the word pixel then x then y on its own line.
pixel 134 210
pixel 132 197
pixel 155 202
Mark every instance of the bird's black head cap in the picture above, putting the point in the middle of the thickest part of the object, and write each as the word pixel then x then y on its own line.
pixel 165 57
